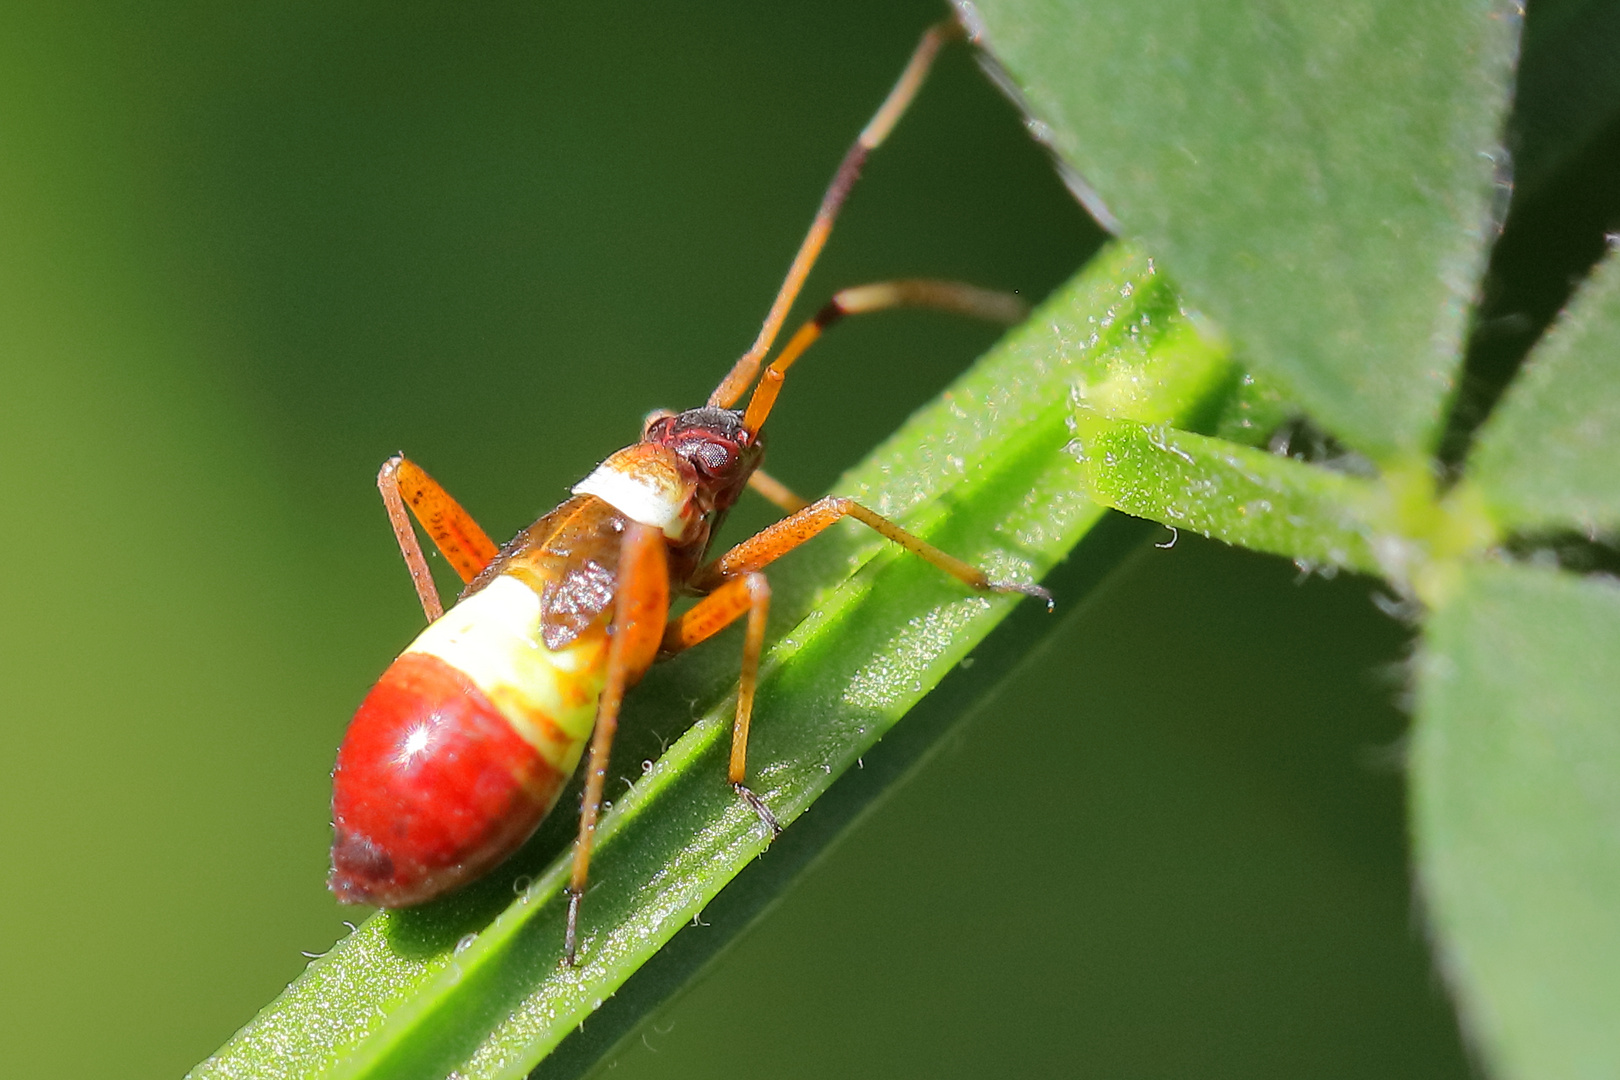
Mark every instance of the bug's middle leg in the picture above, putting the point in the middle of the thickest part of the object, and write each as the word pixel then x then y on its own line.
pixel 458 537
pixel 747 595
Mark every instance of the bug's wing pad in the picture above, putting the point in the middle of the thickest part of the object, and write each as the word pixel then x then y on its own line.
pixel 571 603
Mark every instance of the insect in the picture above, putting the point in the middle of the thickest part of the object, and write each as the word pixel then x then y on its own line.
pixel 462 747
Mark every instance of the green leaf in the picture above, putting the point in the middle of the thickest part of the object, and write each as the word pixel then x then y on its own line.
pixel 1516 814
pixel 1254 412
pixel 1231 492
pixel 1317 176
pixel 1546 459
pixel 472 984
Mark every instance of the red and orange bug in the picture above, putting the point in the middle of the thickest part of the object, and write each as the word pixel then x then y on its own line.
pixel 462 747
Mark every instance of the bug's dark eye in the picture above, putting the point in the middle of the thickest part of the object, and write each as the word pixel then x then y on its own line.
pixel 711 457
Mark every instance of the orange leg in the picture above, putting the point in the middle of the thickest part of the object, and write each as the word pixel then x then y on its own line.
pixel 771 543
pixel 639 610
pixel 775 492
pixel 877 129
pixel 739 587
pixel 453 531
pixel 941 295
pixel 751 595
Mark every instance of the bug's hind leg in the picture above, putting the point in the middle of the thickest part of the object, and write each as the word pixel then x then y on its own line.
pixel 639 610
pixel 747 595
pixel 458 537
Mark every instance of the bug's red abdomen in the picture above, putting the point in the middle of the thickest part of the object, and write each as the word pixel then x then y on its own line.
pixel 433 787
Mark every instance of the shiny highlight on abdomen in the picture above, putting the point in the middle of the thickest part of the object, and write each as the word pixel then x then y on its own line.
pixel 433 787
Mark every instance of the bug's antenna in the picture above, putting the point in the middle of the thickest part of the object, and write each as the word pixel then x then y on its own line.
pixel 940 295
pixel 849 170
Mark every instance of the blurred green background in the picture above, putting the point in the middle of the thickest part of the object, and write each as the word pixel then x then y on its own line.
pixel 247 253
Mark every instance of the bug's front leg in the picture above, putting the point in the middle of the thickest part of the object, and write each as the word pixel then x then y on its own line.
pixel 747 595
pixel 775 492
pixel 774 541
pixel 737 587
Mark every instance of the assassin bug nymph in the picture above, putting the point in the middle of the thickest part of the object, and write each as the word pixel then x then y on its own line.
pixel 464 744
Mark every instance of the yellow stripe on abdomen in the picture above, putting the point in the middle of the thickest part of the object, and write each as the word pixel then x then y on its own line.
pixel 548 697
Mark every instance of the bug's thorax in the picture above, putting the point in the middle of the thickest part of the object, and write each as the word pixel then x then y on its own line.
pixel 682 477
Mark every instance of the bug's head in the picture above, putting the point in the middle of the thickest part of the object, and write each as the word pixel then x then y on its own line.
pixel 715 443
